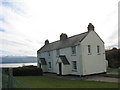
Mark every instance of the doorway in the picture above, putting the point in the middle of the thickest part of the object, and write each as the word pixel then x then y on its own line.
pixel 60 69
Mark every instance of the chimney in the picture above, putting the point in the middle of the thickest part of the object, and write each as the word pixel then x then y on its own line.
pixel 90 27
pixel 46 42
pixel 63 36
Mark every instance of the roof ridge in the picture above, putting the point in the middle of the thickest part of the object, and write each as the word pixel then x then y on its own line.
pixel 69 37
pixel 64 43
pixel 77 34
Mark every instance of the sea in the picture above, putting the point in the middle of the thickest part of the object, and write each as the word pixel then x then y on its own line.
pixel 14 65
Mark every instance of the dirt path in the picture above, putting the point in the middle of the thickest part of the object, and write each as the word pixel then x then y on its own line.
pixel 90 78
pixel 104 79
pixel 116 73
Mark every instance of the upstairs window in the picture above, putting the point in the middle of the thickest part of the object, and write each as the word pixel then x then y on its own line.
pixel 48 53
pixel 98 49
pixel 73 50
pixel 58 52
pixel 74 65
pixel 89 49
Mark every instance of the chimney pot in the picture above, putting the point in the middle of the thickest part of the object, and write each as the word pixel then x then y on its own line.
pixel 63 36
pixel 90 27
pixel 46 42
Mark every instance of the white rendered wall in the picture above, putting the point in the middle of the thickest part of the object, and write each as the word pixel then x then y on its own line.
pixel 93 63
pixel 53 58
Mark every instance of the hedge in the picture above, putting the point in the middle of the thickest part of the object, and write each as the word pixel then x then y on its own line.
pixel 27 71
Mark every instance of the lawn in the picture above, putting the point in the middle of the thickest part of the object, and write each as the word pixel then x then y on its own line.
pixel 49 82
pixel 113 70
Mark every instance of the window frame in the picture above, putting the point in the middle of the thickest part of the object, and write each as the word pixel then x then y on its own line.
pixel 98 49
pixel 89 49
pixel 48 53
pixel 74 65
pixel 73 50
pixel 49 65
pixel 57 52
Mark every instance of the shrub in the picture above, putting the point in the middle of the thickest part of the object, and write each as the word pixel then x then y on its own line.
pixel 27 71
pixel 113 57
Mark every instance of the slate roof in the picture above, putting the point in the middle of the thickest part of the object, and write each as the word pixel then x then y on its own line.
pixel 43 62
pixel 64 59
pixel 70 41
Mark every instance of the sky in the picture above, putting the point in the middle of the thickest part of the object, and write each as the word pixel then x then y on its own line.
pixel 26 24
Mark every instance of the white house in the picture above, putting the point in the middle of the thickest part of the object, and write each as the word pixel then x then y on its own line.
pixel 82 54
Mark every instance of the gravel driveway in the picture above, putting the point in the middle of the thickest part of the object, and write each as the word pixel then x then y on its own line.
pixel 90 78
pixel 103 79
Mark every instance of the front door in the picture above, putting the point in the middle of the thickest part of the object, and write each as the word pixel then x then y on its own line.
pixel 60 68
pixel 40 65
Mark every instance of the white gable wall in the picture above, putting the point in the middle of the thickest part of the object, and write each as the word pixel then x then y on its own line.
pixel 93 63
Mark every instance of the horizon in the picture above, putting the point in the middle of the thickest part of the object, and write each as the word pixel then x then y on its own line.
pixel 36 56
pixel 26 24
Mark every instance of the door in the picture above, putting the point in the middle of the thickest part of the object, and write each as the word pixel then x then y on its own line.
pixel 40 65
pixel 60 69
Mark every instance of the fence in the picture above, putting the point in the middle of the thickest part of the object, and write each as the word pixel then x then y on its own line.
pixel 8 81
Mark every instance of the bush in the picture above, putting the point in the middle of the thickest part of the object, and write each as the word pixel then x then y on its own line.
pixel 27 71
pixel 113 57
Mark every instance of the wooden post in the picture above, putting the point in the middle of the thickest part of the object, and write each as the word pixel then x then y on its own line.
pixel 0 78
pixel 10 78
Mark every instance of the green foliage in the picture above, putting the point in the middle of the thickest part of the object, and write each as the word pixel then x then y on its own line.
pixel 113 57
pixel 27 71
pixel 113 69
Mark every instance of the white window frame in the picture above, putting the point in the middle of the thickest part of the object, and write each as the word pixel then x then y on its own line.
pixel 89 49
pixel 57 52
pixel 48 53
pixel 74 65
pixel 73 49
pixel 49 65
pixel 98 49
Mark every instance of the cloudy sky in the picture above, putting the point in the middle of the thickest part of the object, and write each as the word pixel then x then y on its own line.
pixel 26 24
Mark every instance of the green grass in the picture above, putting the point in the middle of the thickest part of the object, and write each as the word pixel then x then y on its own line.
pixel 113 70
pixel 49 82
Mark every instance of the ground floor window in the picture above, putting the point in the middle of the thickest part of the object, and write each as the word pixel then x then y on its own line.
pixel 49 63
pixel 39 63
pixel 74 64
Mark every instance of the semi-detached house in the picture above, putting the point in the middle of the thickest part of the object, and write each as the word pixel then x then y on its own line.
pixel 81 54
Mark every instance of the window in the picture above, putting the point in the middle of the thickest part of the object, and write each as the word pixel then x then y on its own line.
pixel 73 50
pixel 89 49
pixel 74 65
pixel 58 52
pixel 48 53
pixel 49 63
pixel 98 49
pixel 39 63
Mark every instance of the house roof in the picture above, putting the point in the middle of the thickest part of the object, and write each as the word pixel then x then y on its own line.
pixel 64 59
pixel 70 41
pixel 43 62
